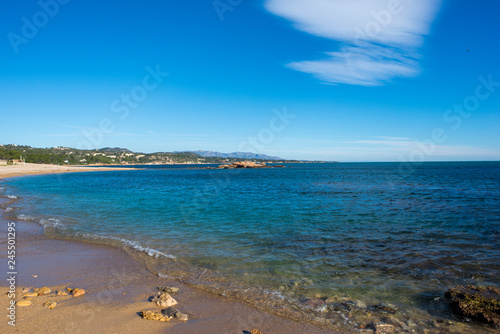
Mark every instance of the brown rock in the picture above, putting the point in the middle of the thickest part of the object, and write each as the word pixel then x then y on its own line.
pixel 255 331
pixel 481 304
pixel 77 292
pixel 24 303
pixel 30 295
pixel 244 164
pixel 42 291
pixel 50 305
pixel 152 315
pixel 62 293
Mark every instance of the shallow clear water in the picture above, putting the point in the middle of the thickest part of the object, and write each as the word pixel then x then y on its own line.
pixel 369 232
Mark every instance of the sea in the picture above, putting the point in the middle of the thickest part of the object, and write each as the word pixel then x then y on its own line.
pixel 341 245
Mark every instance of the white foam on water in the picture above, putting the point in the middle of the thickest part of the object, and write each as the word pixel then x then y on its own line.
pixel 26 217
pixel 134 244
pixel 9 209
pixel 51 222
pixel 11 196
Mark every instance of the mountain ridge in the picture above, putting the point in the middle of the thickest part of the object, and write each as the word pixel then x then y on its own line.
pixel 235 155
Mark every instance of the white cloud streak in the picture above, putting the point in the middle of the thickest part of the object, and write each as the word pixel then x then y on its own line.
pixel 379 39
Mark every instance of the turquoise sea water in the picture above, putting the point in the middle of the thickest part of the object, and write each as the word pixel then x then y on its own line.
pixel 325 239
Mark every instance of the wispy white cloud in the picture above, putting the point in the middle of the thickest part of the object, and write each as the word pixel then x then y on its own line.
pixel 379 38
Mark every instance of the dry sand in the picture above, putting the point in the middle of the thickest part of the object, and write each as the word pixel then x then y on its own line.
pixel 117 288
pixel 34 169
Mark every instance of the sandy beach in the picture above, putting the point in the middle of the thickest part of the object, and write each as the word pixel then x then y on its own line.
pixel 117 287
pixel 35 169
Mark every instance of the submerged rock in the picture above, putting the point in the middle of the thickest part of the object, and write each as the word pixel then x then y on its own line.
pixel 50 305
pixel 481 304
pixel 383 309
pixel 77 292
pixel 163 299
pixel 152 315
pixel 42 291
pixel 383 328
pixel 173 312
pixel 168 289
pixel 24 303
pixel 300 283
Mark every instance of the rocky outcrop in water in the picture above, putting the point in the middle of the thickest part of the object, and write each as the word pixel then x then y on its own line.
pixel 248 164
pixel 481 304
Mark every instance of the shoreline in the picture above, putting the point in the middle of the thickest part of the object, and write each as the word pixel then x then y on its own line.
pixel 113 306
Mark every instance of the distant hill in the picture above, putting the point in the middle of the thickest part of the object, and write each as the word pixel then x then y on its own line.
pixel 236 155
pixel 116 155
pixel 115 150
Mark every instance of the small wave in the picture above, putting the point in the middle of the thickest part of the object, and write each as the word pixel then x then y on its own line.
pixel 9 209
pixel 11 196
pixel 133 244
pixel 51 222
pixel 26 217
pixel 164 276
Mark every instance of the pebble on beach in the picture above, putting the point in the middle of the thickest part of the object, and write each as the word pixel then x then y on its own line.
pixel 50 305
pixel 255 331
pixel 77 292
pixel 163 299
pixel 62 293
pixel 24 303
pixel 152 315
pixel 173 312
pixel 30 295
pixel 42 291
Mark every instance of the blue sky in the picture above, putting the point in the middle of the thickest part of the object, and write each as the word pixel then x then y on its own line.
pixel 347 80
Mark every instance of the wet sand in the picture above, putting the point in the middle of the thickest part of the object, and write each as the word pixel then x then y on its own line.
pixel 117 289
